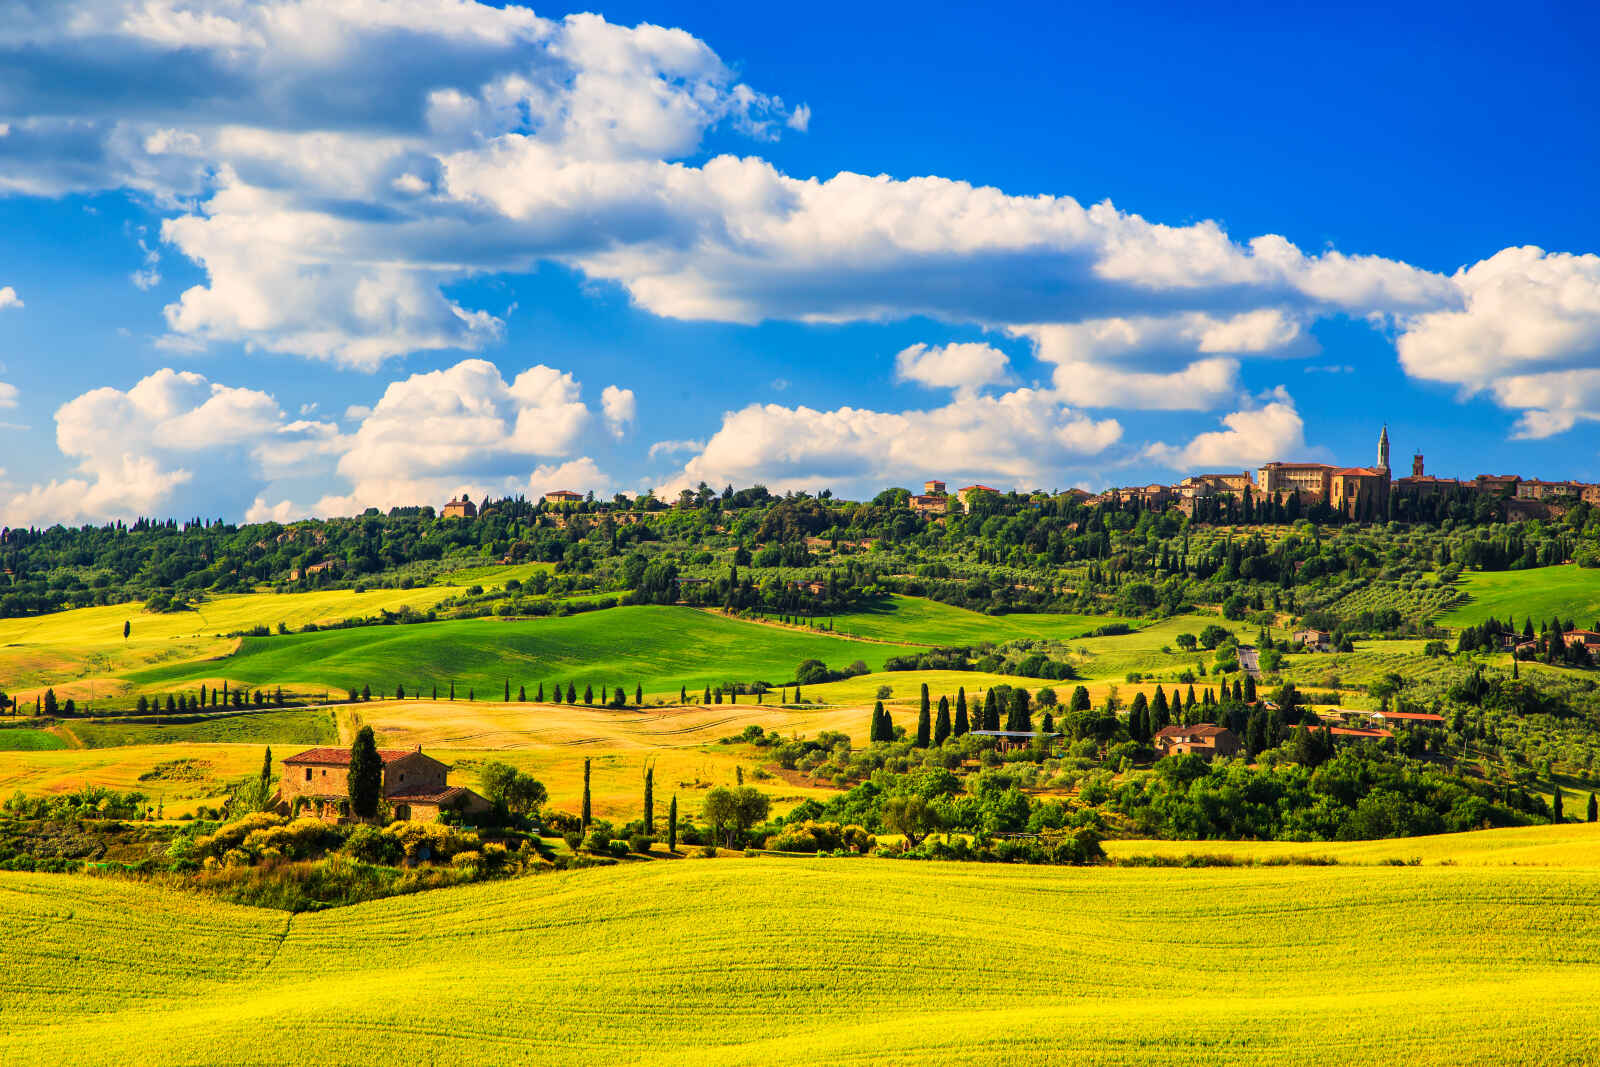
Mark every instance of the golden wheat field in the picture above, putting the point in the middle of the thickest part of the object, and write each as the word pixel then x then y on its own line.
pixel 805 960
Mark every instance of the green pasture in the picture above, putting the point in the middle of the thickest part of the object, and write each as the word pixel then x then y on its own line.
pixel 661 648
pixel 495 574
pixel 1565 592
pixel 300 726
pixel 27 739
pixel 916 620
pixel 802 960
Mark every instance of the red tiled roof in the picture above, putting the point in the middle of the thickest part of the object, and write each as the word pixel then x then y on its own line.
pixel 429 798
pixel 1365 472
pixel 341 756
pixel 1409 716
pixel 1346 731
pixel 1202 730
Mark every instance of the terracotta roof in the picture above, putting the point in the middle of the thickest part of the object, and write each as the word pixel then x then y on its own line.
pixel 1409 716
pixel 1365 472
pixel 429 798
pixel 341 756
pixel 1201 730
pixel 1345 731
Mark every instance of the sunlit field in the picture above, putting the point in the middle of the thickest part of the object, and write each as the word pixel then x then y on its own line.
pixel 1545 593
pixel 801 960
pixel 916 620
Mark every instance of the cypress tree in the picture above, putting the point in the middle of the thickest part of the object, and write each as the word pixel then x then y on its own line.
pixel 1139 718
pixel 638 694
pixel 672 825
pixel 365 781
pixel 875 727
pixel 266 772
pixel 1594 808
pixel 941 725
pixel 1080 699
pixel 452 689
pixel 683 694
pixel 650 799
pixel 585 794
pixel 707 698
pixel 1249 689
pixel 522 694
pixel 961 724
pixel 539 696
pixel 572 693
pixel 924 724
pixel 1555 808
pixel 508 691
pixel 991 711
pixel 435 690
pixel 797 698
pixel 399 692
pixel 472 694
pixel 588 694
pixel 1018 718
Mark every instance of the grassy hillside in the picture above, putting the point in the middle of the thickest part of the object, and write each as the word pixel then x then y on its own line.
pixel 919 621
pixel 82 653
pixel 1567 592
pixel 661 648
pixel 794 961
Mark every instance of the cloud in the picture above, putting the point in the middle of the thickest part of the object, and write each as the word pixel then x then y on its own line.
pixel 132 449
pixel 800 118
pixel 578 475
pixel 8 395
pixel 966 366
pixel 1021 438
pixel 667 448
pixel 1251 437
pixel 619 409
pixel 431 434
pixel 1528 333
pixel 230 450
pixel 9 298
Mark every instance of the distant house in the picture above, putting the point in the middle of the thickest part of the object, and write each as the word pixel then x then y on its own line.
pixel 562 496
pixel 933 487
pixel 1203 740
pixel 461 509
pixel 1313 640
pixel 964 494
pixel 416 786
pixel 1589 639
pixel 1010 739
pixel 930 504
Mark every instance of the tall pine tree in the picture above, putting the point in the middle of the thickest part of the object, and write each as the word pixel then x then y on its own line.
pixel 962 725
pixel 941 725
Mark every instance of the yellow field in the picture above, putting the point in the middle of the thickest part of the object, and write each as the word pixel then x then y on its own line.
pixel 86 646
pixel 846 961
pixel 64 770
pixel 1567 845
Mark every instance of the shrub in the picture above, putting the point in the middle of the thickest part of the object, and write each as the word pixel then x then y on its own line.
pixel 640 843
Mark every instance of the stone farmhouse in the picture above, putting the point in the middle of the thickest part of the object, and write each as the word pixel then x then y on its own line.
pixel 463 508
pixel 415 786
pixel 1205 741
pixel 562 496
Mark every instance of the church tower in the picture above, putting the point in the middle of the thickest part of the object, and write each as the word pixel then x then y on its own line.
pixel 1383 449
pixel 1416 465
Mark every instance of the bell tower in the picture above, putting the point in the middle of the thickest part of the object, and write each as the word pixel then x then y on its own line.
pixel 1416 465
pixel 1383 449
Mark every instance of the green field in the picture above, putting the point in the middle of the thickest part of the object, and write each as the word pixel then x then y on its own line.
pixel 24 739
pixel 927 622
pixel 495 574
pixel 1566 592
pixel 661 648
pixel 291 727
pixel 803 960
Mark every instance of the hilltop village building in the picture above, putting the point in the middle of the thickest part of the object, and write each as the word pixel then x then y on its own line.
pixel 463 508
pixel 416 787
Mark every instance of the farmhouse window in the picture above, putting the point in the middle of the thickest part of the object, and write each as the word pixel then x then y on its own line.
pixel 308 774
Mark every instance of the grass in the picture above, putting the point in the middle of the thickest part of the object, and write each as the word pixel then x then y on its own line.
pixel 1567 845
pixel 915 620
pixel 1565 592
pixel 182 774
pixel 661 648
pixel 299 726
pixel 851 961
pixel 496 575
pixel 27 739
pixel 83 655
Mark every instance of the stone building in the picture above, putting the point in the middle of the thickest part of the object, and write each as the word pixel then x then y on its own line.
pixel 1310 480
pixel 562 496
pixel 1203 740
pixel 416 786
pixel 463 508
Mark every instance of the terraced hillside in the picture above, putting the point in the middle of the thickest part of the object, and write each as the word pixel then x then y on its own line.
pixel 1565 592
pixel 796 961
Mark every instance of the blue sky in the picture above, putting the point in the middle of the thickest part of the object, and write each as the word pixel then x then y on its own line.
pixel 466 249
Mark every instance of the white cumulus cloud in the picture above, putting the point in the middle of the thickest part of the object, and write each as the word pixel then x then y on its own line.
pixel 1251 437
pixel 619 408
pixel 964 366
pixel 9 298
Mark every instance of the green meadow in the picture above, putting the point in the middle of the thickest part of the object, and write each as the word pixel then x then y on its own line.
pixel 927 622
pixel 1565 592
pixel 788 960
pixel 662 648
